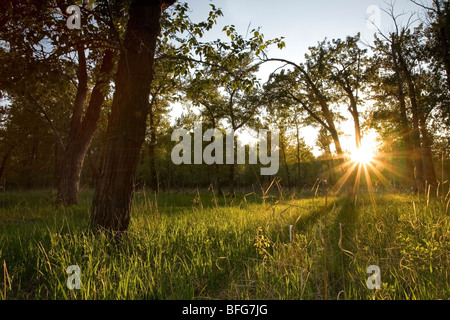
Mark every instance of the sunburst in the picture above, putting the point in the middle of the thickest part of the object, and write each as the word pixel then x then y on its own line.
pixel 362 163
pixel 363 155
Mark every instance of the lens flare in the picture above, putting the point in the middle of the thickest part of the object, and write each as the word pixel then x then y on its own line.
pixel 362 166
pixel 363 155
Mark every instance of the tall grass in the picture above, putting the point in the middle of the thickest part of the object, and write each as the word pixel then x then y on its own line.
pixel 197 245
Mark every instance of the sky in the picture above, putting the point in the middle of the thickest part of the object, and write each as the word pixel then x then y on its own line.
pixel 303 23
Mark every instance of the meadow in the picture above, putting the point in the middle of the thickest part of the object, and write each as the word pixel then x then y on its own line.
pixel 198 245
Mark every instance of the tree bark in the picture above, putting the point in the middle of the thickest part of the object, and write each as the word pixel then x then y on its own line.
pixel 111 206
pixel 81 132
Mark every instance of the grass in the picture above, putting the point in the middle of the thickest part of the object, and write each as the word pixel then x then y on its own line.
pixel 194 245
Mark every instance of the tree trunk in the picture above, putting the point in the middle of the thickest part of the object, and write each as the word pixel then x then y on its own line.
pixel 218 180
pixel 430 173
pixel 328 124
pixel 283 150
pixel 422 154
pixel 154 185
pixel 93 166
pixel 354 179
pixel 111 206
pixel 216 165
pixel 445 55
pixel 231 180
pixel 337 143
pixel 416 156
pixel 327 113
pixel 69 169
pixel 69 172
pixel 81 132
pixel 3 164
pixel 331 167
pixel 415 134
pixel 409 165
pixel 408 152
pixel 4 160
pixel 30 167
pixel 231 184
pixel 297 135
pixel 329 117
pixel 355 115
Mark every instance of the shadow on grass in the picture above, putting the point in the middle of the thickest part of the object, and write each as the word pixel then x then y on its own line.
pixel 305 222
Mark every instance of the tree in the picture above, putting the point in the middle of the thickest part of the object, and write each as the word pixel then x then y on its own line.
pixel 26 145
pixel 408 61
pixel 82 126
pixel 403 48
pixel 204 92
pixel 438 34
pixel 324 141
pixel 312 96
pixel 47 46
pixel 390 92
pixel 111 206
pixel 162 90
pixel 242 99
pixel 233 93
pixel 300 145
pixel 348 69
pixel 281 114
pixel 233 66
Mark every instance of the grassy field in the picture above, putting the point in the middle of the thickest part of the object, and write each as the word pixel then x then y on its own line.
pixel 198 246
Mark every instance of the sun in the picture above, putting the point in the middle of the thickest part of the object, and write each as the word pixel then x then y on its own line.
pixel 363 164
pixel 364 155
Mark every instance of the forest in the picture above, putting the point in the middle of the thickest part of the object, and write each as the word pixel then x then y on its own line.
pixel 118 154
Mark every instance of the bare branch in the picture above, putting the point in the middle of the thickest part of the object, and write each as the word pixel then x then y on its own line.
pixel 420 4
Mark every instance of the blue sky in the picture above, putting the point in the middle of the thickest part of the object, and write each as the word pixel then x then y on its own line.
pixel 303 23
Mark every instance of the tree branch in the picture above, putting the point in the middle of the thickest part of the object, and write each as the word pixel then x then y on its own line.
pixel 49 121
